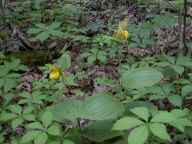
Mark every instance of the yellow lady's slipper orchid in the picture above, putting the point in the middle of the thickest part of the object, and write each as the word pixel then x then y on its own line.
pixel 122 32
pixel 122 35
pixel 55 73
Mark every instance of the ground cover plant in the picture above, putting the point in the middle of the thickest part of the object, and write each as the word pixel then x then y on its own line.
pixel 95 72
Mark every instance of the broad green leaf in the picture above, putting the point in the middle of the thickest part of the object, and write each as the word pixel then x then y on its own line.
pixel 170 59
pixel 184 61
pixel 164 20
pixel 127 123
pixel 140 78
pixel 66 141
pixel 35 125
pixel 42 36
pixel 141 112
pixel 68 110
pixel 29 117
pixel 9 83
pixel 16 122
pixel 70 80
pixel 41 25
pixel 179 3
pixel 163 117
pixel 64 61
pixel 181 120
pixel 102 56
pixel 54 25
pixel 41 138
pixel 54 130
pixel 100 107
pixel 133 104
pixel 181 123
pixel 180 113
pixel 91 59
pixel 176 100
pixel 56 33
pixel 160 131
pixel 178 69
pixel 29 136
pixel 6 116
pixel 28 110
pixel 34 30
pixel 4 71
pixel 47 118
pixel 100 131
pixel 15 109
pixel 187 89
pixel 138 135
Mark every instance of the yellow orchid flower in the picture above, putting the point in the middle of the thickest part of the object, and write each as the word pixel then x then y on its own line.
pixel 122 32
pixel 55 73
pixel 122 35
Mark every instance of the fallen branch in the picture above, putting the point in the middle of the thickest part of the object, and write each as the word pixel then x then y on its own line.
pixel 21 37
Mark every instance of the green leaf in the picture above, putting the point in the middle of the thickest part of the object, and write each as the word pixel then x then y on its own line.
pixel 41 138
pixel 54 130
pixel 15 109
pixel 5 116
pixel 16 122
pixel 66 141
pixel 99 107
pixel 102 56
pixel 141 112
pixel 68 110
pixel 41 25
pixel 138 135
pixel 187 89
pixel 91 59
pixel 10 83
pixel 70 80
pixel 178 69
pixel 29 117
pixel 170 59
pixel 42 36
pixel 184 61
pixel 100 131
pixel 103 107
pixel 34 31
pixel 150 106
pixel 35 125
pixel 47 118
pixel 4 71
pixel 127 123
pixel 176 100
pixel 181 123
pixel 160 131
pixel 181 120
pixel 163 117
pixel 64 61
pixel 54 25
pixel 29 136
pixel 164 21
pixel 56 33
pixel 140 78
pixel 180 113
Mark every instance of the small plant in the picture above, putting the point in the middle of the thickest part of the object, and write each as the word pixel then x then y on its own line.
pixel 17 115
pixel 95 55
pixel 43 32
pixel 42 131
pixel 9 75
pixel 142 124
pixel 34 99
